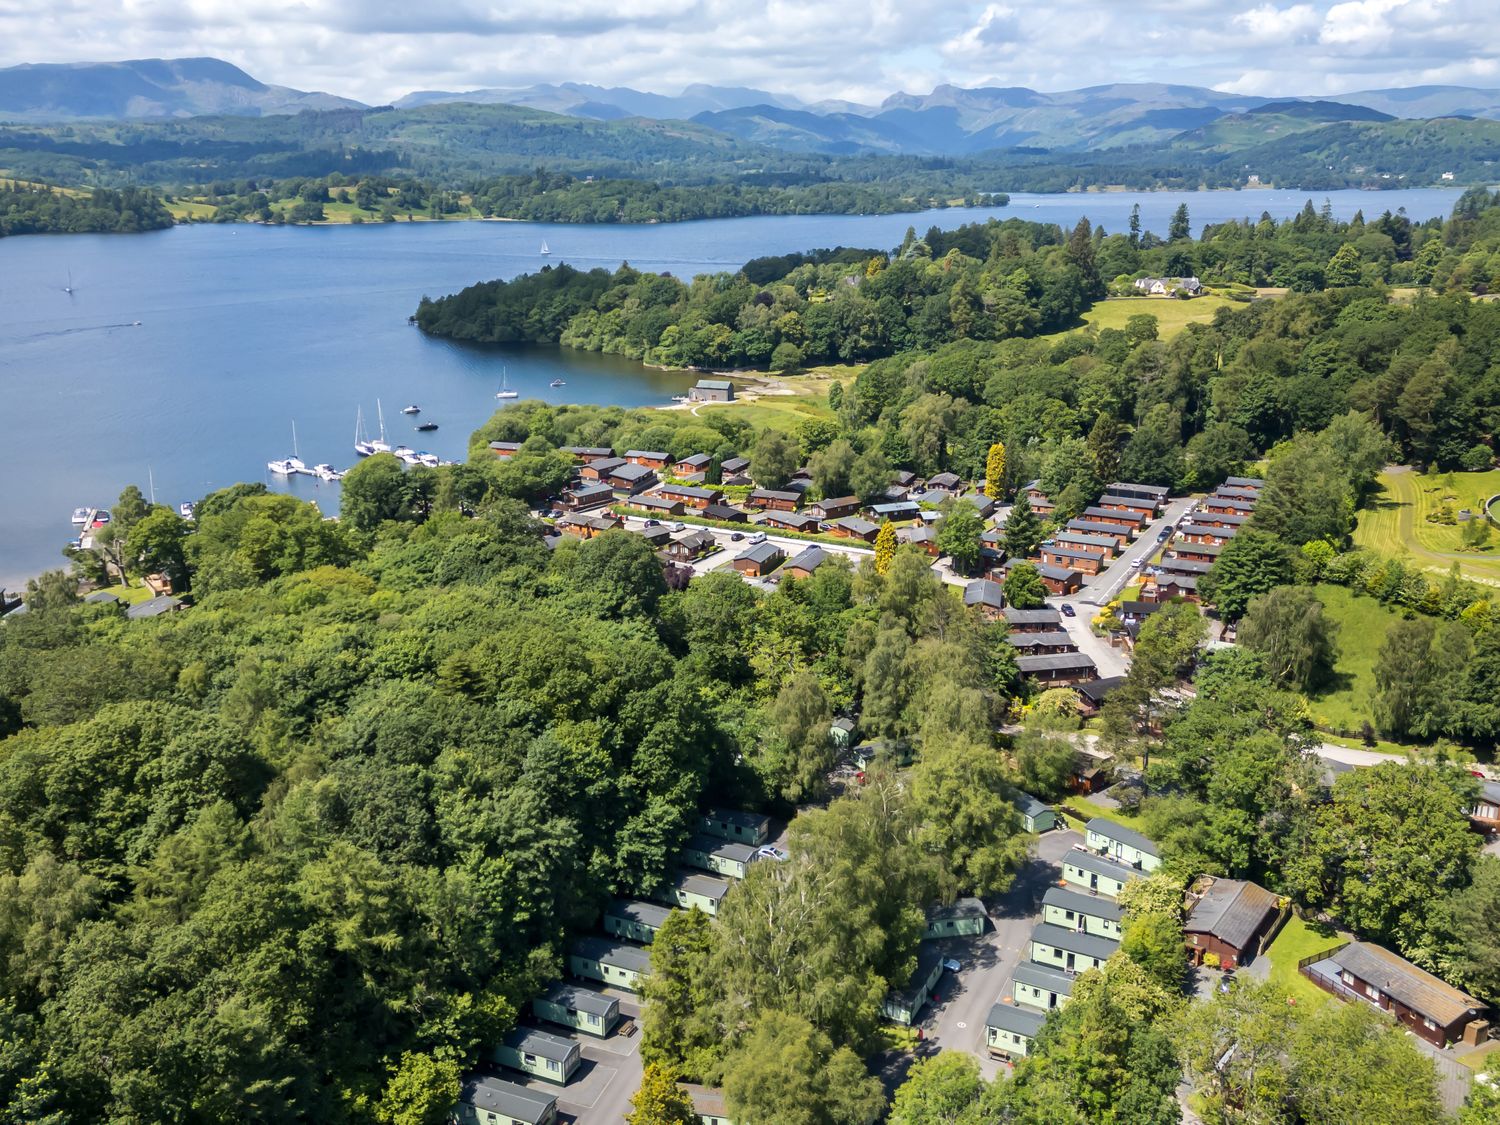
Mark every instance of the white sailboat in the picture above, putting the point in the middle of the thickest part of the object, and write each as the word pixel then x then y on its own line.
pixel 505 391
pixel 362 445
pixel 288 466
pixel 380 445
pixel 68 288
pixel 544 251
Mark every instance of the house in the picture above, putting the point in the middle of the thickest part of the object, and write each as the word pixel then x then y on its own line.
pixel 1093 694
pixel 905 478
pixel 712 390
pixel 735 466
pixel 1059 580
pixel 1041 986
pixel 1060 669
pixel 588 454
pixel 903 1005
pixel 792 521
pixel 708 1105
pixel 988 596
pixel 947 482
pixel 1083 541
pixel 586 496
pixel 154 607
pixel 694 544
pixel 654 504
pixel 1085 560
pixel 833 508
pixel 1231 492
pixel 1009 1030
pixel 722 857
pixel 539 1053
pixel 689 496
pixel 658 537
pixel 692 465
pixel 690 891
pixel 1232 919
pixel 1485 815
pixel 1118 517
pixel 930 497
pixel 1096 872
pixel 630 478
pixel 1035 816
pixel 1257 483
pixel 771 500
pixel 1132 614
pixel 599 468
pixel 584 525
pixel 1179 565
pixel 1120 535
pixel 650 458
pixel 964 918
pixel 1226 505
pixel 737 825
pixel 759 560
pixel 1167 286
pixel 1033 620
pixel 1145 508
pixel 1091 914
pixel 1221 519
pixel 723 513
pixel 580 1008
pixel 802 564
pixel 896 492
pixel 852 527
pixel 1070 950
pixel 505 449
pixel 1125 844
pixel 923 538
pixel 1204 535
pixel 1196 552
pixel 1155 493
pixel 895 511
pixel 633 920
pixel 483 1100
pixel 1037 644
pixel 612 962
pixel 1167 587
pixel 1040 504
pixel 1425 1005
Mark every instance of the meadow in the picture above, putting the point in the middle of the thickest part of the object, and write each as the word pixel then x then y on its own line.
pixel 1395 522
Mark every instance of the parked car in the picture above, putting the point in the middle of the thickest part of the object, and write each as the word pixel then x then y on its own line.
pixel 652 523
pixel 770 851
pixel 1136 564
pixel 1164 532
pixel 678 527
pixel 736 536
pixel 757 537
pixel 952 965
pixel 1068 611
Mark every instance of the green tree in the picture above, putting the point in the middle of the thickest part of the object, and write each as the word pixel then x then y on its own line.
pixel 994 471
pixel 1471 928
pixel 1483 1104
pixel 681 1031
pixel 799 720
pixel 1252 563
pixel 788 1073
pixel 965 816
pixel 422 1091
pixel 774 459
pixel 155 546
pixel 1309 493
pixel 871 475
pixel 373 491
pixel 660 1100
pixel 938 1090
pixel 832 467
pixel 1181 226
pixel 1343 268
pixel 1045 763
pixel 1288 628
pixel 961 535
pixel 1154 942
pixel 1024 588
pixel 1023 531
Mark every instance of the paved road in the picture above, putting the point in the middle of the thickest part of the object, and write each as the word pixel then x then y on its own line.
pixel 609 1075
pixel 1103 586
pixel 729 548
pixel 956 1022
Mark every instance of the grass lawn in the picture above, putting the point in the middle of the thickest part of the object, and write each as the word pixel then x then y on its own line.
pixel 1172 316
pixel 1396 522
pixel 190 209
pixel 1362 627
pixel 1088 810
pixel 808 398
pixel 130 595
pixel 1299 939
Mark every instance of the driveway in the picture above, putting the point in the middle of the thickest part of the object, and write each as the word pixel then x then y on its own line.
pixel 607 1078
pixel 956 1021
pixel 1101 587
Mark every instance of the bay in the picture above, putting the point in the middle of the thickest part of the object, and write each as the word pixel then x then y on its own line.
pixel 244 330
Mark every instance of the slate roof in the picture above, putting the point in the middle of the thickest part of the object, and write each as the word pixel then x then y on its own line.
pixel 580 999
pixel 761 553
pixel 633 910
pixel 1184 566
pixel 724 849
pixel 1398 978
pixel 1232 911
pixel 1054 662
pixel 1082 539
pixel 100 597
pixel 796 521
pixel 944 480
pixel 1133 503
pixel 984 592
pixel 1049 978
pixel 1138 609
pixel 505 446
pixel 1040 640
pixel 1067 552
pixel 1107 514
pixel 1112 530
pixel 154 607
pixel 1212 550
pixel 652 454
pixel 1245 482
pixel 619 953
pixel 916 535
pixel 960 908
pixel 658 503
pixel 605 464
pixel 737 817
pixel 688 491
pixel 1012 1017
pixel 506 1098
pixel 542 1043
pixel 1204 529
pixel 1124 488
pixel 723 512
pixel 1029 805
pixel 705 885
pixel 1097 691
pixel 808 559
pixel 1230 503
pixel 1032 616
pixel 715 384
pixel 1095 906
pixel 1180 581
pixel 632 472
pixel 1101 864
pixel 1120 834
pixel 585 491
pixel 1072 941
pixel 735 464
pixel 695 460
pixel 588 450
pixel 775 494
pixel 856 525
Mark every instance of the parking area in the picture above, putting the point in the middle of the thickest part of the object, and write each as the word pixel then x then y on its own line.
pixel 609 1074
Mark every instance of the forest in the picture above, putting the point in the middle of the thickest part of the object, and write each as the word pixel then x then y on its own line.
pixel 38 209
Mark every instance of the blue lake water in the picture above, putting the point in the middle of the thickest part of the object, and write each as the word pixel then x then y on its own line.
pixel 244 330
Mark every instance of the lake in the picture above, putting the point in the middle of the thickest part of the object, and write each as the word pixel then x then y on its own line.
pixel 244 330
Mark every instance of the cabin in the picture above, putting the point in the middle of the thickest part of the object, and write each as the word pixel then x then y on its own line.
pixel 841 731
pixel 1085 560
pixel 1039 644
pixel 853 527
pixel 1180 565
pixel 1070 950
pixel 505 449
pixel 1010 1029
pixel 692 545
pixel 735 466
pixel 802 564
pixel 1041 504
pixel 1033 620
pixel 653 504
pixel 538 1053
pixel 154 607
pixel 1197 552
pixel 1144 508
pixel 903 1005
pixel 895 511
pixel 1224 505
pixel 1230 492
pixel 694 465
pixel 1090 914
pixel 1169 587
pixel 484 1100
pixel 582 1009
pixel 658 537
pixel 722 857
pixel 923 538
pixel 759 560
pixel 1118 517
pixel 1204 535
pixel 835 508
pixel 588 454
pixel 1083 541
pixel 1485 815
pixel 1120 535
pixel 689 496
pixel 1255 483
pixel 1423 1004
pixel 772 500
pixel 708 1105
pixel 980 503
pixel 1156 494
pixel 1093 769
pixel 946 482
pixel 1125 844
pixel 895 751
pixel 610 962
pixel 1132 614
pixel 964 918
pixel 1096 872
pixel 599 468
pixel 712 390
pixel 630 478
pixel 905 478
pixel 1230 918
pixel 724 513
pixel 584 525
pixel 1091 696
pixel 1035 816
pixel 585 497
pixel 1058 580
pixel 633 920
pixel 1060 669
pixel 799 522
pixel 1042 986
pixel 650 458
pixel 689 891
pixel 986 596
pixel 1221 519
pixel 736 825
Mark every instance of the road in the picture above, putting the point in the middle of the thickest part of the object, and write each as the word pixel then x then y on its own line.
pixel 1100 588
pixel 600 1090
pixel 728 547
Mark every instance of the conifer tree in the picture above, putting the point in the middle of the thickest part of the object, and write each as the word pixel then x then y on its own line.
pixel 994 471
pixel 885 547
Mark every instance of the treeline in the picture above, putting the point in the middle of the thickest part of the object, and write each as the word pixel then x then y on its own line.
pixel 40 209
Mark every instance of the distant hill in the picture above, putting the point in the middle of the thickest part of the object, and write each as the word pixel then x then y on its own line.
pixel 146 88
pixel 1429 101
pixel 608 103
pixel 1271 122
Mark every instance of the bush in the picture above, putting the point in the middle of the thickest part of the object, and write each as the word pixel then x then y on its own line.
pixel 1478 458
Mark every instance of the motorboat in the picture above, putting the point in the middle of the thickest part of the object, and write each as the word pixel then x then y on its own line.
pixel 81 515
pixel 186 509
pixel 427 427
pixel 327 472
pixel 284 466
pixel 411 410
pixel 428 459
pixel 558 383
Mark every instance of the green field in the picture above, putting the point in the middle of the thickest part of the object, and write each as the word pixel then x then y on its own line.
pixel 1396 524
pixel 1172 316
pixel 1299 939
pixel 786 412
pixel 1362 627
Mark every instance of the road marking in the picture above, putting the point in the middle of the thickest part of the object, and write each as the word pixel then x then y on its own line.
pixel 960 1025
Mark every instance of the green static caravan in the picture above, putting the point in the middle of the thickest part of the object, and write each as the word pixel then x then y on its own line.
pixel 483 1100
pixel 1074 910
pixel 688 891
pixel 1121 843
pixel 610 962
pixel 902 1007
pixel 964 918
pixel 722 857
pixel 634 920
pixel 1069 949
pixel 1097 873
pixel 735 825
pixel 1010 1029
pixel 580 1008
pixel 1041 986
pixel 1035 816
pixel 538 1053
pixel 708 1105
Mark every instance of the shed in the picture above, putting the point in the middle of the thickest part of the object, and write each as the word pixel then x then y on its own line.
pixel 965 917
pixel 1035 816
pixel 634 920
pixel 539 1053
pixel 1075 910
pixel 1010 1029
pixel 580 1008
pixel 1125 844
pixel 1231 919
pixel 483 1100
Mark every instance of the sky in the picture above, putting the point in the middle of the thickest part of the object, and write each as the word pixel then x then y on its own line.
pixel 377 50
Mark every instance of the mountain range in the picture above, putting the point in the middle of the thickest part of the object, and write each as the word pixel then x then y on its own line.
pixel 949 121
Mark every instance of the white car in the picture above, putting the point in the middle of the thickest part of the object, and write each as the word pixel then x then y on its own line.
pixel 770 851
pixel 1136 564
pixel 758 537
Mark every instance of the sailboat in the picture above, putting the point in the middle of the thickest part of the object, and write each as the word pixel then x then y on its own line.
pixel 380 445
pixel 544 251
pixel 505 391
pixel 362 445
pixel 68 288
pixel 288 466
